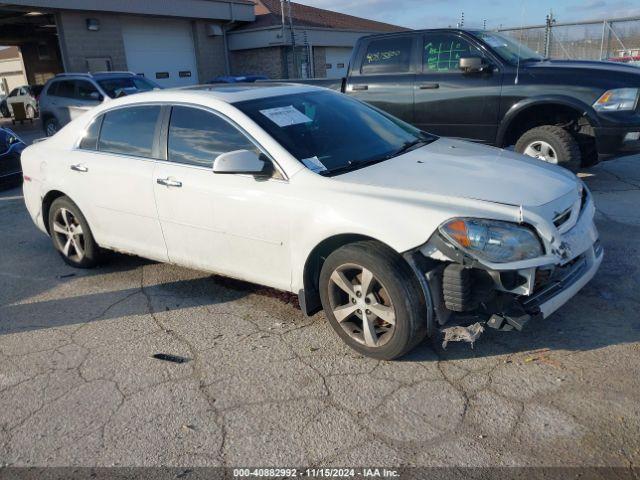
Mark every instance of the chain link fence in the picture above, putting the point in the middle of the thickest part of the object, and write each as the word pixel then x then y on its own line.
pixel 615 39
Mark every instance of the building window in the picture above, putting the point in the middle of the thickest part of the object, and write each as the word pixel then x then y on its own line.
pixel 43 51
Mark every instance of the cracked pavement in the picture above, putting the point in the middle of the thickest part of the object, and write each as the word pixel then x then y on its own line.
pixel 266 386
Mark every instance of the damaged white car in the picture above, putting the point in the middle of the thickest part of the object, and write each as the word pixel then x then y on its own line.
pixel 390 230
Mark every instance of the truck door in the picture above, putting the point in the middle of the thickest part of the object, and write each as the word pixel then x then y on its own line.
pixel 384 74
pixel 453 103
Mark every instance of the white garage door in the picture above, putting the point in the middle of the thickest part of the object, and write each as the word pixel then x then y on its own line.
pixel 337 61
pixel 161 49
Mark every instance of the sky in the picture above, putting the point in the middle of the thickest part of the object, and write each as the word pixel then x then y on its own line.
pixel 506 13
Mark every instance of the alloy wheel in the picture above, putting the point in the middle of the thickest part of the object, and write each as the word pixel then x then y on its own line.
pixel 69 234
pixel 361 305
pixel 542 151
pixel 51 129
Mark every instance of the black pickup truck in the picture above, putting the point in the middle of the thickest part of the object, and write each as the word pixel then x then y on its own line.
pixel 486 87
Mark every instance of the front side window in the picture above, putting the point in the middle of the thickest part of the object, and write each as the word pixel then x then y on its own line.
pixel 197 137
pixel 330 132
pixel 86 90
pixel 442 52
pixel 129 131
pixel 508 48
pixel 389 55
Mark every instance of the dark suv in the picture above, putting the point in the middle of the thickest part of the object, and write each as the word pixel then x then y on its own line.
pixel 69 95
pixel 486 87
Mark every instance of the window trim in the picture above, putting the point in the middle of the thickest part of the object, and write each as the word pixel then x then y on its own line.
pixel 161 136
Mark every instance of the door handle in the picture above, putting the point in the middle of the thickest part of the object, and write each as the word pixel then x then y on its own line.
pixel 429 86
pixel 360 87
pixel 167 182
pixel 78 167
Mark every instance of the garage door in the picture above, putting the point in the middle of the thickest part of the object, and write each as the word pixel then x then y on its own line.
pixel 337 61
pixel 161 49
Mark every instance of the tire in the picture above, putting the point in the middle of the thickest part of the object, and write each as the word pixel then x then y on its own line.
pixel 565 148
pixel 51 127
pixel 82 251
pixel 4 110
pixel 394 292
pixel 30 111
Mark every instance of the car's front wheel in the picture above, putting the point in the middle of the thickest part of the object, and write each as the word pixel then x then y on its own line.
pixel 551 144
pixel 373 300
pixel 71 235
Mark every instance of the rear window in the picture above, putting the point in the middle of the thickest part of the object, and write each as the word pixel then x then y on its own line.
pixel 116 87
pixel 388 55
pixel 129 131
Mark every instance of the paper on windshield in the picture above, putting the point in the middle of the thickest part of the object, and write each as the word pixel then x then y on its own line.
pixel 285 116
pixel 313 164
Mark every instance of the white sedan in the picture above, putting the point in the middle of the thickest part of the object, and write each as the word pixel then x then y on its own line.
pixel 390 230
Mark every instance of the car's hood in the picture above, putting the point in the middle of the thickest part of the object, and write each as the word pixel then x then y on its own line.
pixel 456 168
pixel 586 65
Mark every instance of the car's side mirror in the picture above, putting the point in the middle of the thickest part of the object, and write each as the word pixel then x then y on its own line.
pixel 472 64
pixel 242 162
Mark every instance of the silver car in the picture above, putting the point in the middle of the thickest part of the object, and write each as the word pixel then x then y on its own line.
pixel 68 95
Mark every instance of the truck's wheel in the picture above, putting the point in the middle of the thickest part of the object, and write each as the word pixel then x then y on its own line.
pixel 551 144
pixel 71 235
pixel 51 126
pixel 373 300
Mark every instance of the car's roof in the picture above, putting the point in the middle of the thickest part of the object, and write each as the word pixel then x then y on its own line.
pixel 228 93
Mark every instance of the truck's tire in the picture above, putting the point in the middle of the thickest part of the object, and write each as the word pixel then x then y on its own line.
pixel 393 292
pixel 71 235
pixel 552 144
pixel 51 126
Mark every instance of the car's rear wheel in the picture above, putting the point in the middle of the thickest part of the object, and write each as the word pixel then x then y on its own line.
pixel 373 300
pixel 551 144
pixel 71 235
pixel 30 111
pixel 4 110
pixel 51 126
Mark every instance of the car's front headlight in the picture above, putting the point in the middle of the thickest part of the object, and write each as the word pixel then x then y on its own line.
pixel 617 99
pixel 492 240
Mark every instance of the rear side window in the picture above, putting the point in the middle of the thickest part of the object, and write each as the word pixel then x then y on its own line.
pixel 90 139
pixel 388 55
pixel 65 88
pixel 129 131
pixel 197 137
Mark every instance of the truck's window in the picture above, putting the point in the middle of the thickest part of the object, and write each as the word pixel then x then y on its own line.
pixel 387 55
pixel 442 52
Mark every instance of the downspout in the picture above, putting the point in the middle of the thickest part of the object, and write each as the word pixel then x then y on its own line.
pixel 225 44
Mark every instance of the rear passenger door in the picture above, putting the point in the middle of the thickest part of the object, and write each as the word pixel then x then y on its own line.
pixel 385 75
pixel 112 172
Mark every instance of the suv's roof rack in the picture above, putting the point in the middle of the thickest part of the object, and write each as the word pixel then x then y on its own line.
pixel 68 74
pixel 89 74
pixel 115 72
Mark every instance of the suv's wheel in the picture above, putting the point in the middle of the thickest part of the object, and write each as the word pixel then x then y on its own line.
pixel 51 126
pixel 373 300
pixel 552 144
pixel 71 235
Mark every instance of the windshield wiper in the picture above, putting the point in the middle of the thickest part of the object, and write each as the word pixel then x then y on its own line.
pixel 410 145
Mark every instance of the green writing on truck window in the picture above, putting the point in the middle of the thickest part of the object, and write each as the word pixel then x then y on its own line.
pixel 377 57
pixel 444 56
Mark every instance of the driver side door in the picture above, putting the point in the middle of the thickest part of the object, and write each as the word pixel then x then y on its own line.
pixel 449 102
pixel 224 223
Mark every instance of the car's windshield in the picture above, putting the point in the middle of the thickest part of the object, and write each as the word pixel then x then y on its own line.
pixel 118 86
pixel 332 133
pixel 509 49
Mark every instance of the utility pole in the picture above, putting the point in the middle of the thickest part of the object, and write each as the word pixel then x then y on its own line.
pixel 284 39
pixel 461 22
pixel 484 24
pixel 293 40
pixel 548 34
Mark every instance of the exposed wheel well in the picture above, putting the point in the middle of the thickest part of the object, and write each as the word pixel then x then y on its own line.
pixel 310 300
pixel 564 116
pixel 46 206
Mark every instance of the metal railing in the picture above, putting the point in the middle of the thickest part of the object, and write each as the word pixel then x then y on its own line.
pixel 609 39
